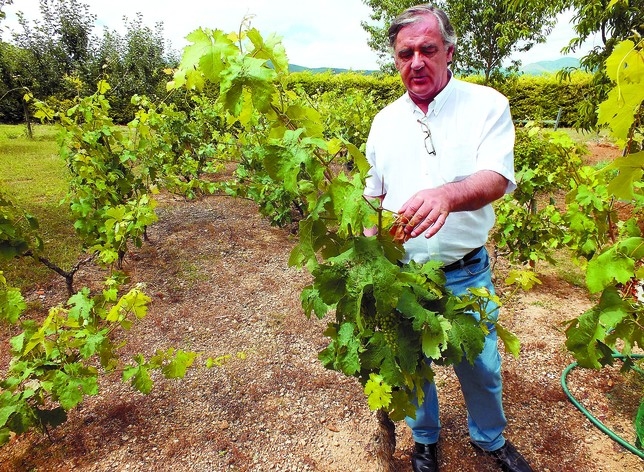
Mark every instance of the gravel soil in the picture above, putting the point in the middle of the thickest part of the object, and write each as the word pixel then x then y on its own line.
pixel 218 276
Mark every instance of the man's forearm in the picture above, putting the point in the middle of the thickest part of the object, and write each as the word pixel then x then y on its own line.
pixel 475 191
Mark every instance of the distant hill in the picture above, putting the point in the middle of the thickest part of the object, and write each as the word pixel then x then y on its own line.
pixel 321 70
pixel 535 68
pixel 549 67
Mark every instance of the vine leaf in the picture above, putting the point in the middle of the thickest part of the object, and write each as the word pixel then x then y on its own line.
pixel 639 425
pixel 351 210
pixel 178 365
pixel 71 384
pixel 342 353
pixel 625 67
pixel 510 340
pixel 615 265
pixel 526 279
pixel 401 407
pixel 378 392
pixel 81 305
pixel 12 303
pixel 203 58
pixel 585 335
pixel 270 48
pixel 630 171
pixel 465 337
pixel 139 375
pixel 285 158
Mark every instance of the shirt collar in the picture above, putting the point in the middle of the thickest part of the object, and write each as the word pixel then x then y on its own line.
pixel 439 101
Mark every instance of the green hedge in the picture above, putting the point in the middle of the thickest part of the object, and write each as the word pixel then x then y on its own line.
pixel 382 88
pixel 541 97
pixel 531 97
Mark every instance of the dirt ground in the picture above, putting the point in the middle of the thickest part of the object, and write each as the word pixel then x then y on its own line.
pixel 220 283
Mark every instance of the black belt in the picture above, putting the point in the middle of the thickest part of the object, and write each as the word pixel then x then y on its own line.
pixel 466 260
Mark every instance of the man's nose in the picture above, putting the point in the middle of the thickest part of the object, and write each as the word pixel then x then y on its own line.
pixel 417 62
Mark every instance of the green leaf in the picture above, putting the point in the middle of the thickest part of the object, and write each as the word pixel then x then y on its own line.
pixel 12 304
pixel 135 302
pixel 347 359
pixel 378 392
pixel 15 413
pixel 207 55
pixel 435 336
pixel 408 351
pixel 359 159
pixel 251 73
pixel 389 368
pixel 285 158
pixel 630 171
pixel 270 48
pixel 311 302
pixel 179 364
pixel 465 338
pixel 526 279
pixel 92 342
pixel 639 425
pixel 351 210
pixel 102 87
pixel 510 340
pixel 585 335
pixel 140 376
pixel 330 282
pixel 311 232
pixel 8 406
pixel 625 67
pixel 72 383
pixel 5 435
pixel 581 337
pixel 615 265
pixel 81 305
pixel 401 406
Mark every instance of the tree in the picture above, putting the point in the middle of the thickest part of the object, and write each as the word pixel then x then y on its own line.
pixel 133 63
pixel 615 21
pixel 3 3
pixel 383 13
pixel 61 58
pixel 13 108
pixel 488 32
pixel 59 45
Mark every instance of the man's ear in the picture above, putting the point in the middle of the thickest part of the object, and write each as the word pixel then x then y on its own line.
pixel 450 54
pixel 396 63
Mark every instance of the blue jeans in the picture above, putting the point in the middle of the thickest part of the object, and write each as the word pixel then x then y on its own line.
pixel 480 382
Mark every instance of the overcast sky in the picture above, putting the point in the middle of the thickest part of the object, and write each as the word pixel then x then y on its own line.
pixel 315 34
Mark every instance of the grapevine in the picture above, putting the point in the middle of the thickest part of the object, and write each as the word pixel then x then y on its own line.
pixel 615 325
pixel 56 363
pixel 388 317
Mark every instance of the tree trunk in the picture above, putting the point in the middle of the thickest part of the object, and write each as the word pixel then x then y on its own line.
pixel 385 441
pixel 25 108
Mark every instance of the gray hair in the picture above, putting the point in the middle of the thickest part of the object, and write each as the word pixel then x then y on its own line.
pixel 415 14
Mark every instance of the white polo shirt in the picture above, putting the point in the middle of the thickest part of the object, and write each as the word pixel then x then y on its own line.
pixel 471 130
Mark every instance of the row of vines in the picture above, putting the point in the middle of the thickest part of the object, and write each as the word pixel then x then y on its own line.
pixel 299 157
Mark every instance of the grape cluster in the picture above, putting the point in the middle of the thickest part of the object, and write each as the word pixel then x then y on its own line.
pixel 387 324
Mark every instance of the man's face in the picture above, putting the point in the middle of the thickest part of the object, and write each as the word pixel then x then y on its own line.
pixel 422 59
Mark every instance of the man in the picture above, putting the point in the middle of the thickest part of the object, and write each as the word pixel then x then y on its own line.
pixel 440 155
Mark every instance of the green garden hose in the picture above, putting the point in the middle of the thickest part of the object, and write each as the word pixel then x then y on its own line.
pixel 593 419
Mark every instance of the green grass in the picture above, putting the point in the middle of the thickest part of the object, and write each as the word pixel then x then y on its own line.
pixel 582 137
pixel 33 176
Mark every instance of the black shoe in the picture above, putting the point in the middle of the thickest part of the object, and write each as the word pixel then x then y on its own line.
pixel 425 458
pixel 508 458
